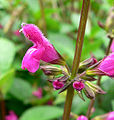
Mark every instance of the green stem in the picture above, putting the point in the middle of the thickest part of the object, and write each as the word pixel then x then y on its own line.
pixel 80 37
pixel 78 50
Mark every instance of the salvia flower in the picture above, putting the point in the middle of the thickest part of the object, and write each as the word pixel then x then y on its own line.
pixel 78 85
pixel 82 117
pixel 110 116
pixel 41 50
pixel 112 47
pixel 58 84
pixel 106 67
pixel 38 93
pixel 11 116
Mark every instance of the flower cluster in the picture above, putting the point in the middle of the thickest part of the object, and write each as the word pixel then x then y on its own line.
pixel 43 50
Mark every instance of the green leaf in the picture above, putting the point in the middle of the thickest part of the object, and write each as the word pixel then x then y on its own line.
pixel 64 45
pixel 7 52
pixel 33 5
pixel 6 81
pixel 21 89
pixel 42 113
pixel 112 105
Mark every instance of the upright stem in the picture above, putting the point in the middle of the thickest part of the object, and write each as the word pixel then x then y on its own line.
pixel 80 37
pixel 2 104
pixel 43 17
pixel 78 50
pixel 98 81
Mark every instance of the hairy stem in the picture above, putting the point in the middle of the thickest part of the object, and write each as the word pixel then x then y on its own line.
pixel 43 17
pixel 78 50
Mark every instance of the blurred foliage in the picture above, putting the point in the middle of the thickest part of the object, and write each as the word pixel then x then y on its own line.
pixel 62 21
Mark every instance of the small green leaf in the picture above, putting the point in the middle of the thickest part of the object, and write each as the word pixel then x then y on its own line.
pixel 7 52
pixel 21 89
pixel 42 113
pixel 6 81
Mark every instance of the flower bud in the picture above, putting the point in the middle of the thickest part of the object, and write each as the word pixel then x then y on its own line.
pixel 89 92
pixel 95 88
pixel 87 63
pixel 78 85
pixel 51 70
pixel 82 117
pixel 57 84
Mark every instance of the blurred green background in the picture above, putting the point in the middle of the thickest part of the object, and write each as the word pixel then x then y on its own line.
pixel 59 21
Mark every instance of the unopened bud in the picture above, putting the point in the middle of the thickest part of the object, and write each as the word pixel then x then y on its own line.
pixel 57 84
pixel 87 63
pixel 51 70
pixel 78 85
pixel 95 88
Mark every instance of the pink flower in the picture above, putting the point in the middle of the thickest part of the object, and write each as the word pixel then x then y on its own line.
pixel 107 66
pixel 112 47
pixel 41 50
pixel 111 116
pixel 17 33
pixel 11 116
pixel 38 93
pixel 78 85
pixel 82 117
pixel 1 26
pixel 57 84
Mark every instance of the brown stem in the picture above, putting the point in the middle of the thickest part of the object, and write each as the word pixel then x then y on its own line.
pixel 68 103
pixel 43 17
pixel 2 102
pixel 78 50
pixel 15 14
pixel 90 108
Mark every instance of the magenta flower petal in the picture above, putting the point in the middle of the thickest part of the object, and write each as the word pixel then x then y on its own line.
pixel 43 49
pixel 33 33
pixel 82 117
pixel 111 116
pixel 32 58
pixel 107 65
pixel 112 46
pixel 50 53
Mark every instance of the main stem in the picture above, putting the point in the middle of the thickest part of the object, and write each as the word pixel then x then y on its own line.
pixel 76 61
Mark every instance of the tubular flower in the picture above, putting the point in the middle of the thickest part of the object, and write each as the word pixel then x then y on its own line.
pixel 11 116
pixel 106 67
pixel 112 47
pixel 57 84
pixel 110 116
pixel 41 50
pixel 78 85
pixel 82 117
